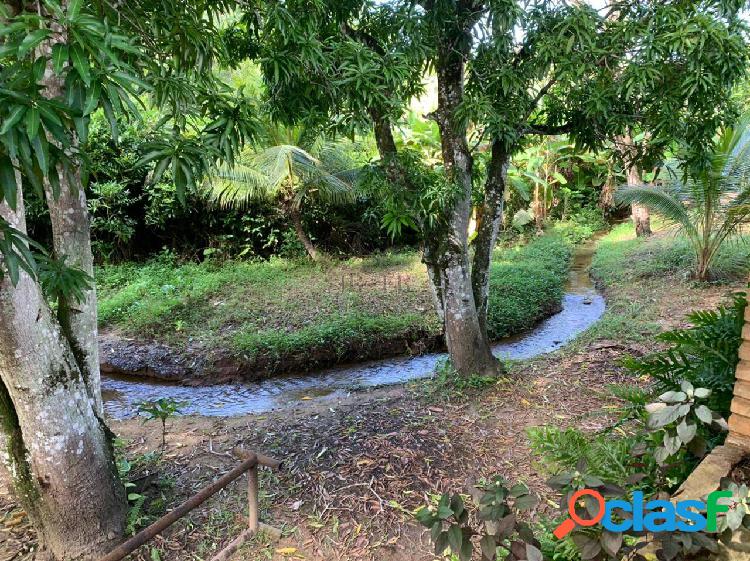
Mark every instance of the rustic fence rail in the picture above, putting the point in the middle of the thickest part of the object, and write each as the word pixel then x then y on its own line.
pixel 250 463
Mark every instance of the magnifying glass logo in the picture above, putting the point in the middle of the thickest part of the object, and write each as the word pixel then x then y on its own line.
pixel 569 524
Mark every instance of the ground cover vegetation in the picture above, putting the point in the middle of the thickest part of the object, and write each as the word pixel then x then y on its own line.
pixel 197 152
pixel 274 313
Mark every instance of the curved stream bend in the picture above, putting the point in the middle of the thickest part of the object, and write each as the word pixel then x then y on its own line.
pixel 582 306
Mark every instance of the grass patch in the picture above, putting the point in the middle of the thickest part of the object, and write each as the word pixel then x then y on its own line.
pixel 527 284
pixel 621 257
pixel 269 311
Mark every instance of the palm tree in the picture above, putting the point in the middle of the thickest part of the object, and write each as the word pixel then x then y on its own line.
pixel 709 204
pixel 294 168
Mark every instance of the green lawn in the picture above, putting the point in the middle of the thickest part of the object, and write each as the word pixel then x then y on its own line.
pixel 278 308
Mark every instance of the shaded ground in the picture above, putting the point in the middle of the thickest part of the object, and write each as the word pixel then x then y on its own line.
pixel 357 467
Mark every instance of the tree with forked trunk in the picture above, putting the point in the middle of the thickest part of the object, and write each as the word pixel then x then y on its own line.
pixel 506 71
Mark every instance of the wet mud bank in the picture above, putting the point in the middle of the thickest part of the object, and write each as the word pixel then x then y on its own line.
pixel 194 367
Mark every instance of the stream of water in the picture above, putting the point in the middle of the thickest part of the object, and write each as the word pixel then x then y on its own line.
pixel 582 306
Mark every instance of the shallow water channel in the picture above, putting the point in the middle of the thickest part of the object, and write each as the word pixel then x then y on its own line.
pixel 582 306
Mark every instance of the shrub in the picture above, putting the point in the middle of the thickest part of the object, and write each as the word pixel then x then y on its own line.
pixel 526 284
pixel 705 354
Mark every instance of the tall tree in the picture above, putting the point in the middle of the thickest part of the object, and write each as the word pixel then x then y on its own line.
pixel 506 70
pixel 61 60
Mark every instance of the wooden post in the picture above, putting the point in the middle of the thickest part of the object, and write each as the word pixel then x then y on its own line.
pixel 252 499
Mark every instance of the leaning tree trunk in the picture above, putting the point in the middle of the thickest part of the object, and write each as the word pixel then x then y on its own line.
pixel 59 449
pixel 467 344
pixel 488 228
pixel 296 217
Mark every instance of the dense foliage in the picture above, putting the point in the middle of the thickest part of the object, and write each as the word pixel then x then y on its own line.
pixel 709 203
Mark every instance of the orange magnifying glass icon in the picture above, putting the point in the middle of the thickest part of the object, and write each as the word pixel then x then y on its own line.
pixel 569 523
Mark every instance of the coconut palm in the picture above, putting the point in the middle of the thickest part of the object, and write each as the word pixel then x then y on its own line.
pixel 709 204
pixel 294 168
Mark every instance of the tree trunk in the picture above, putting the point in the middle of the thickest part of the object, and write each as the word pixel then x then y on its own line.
pixel 59 447
pixel 487 230
pixel 629 156
pixel 299 229
pixel 607 195
pixel 71 235
pixel 467 344
pixel 641 218
pixel 78 320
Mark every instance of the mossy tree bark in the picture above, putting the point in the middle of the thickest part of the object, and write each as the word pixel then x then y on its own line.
pixel 59 449
pixel 467 343
pixel 488 228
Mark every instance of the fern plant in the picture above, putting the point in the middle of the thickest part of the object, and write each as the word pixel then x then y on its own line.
pixel 705 354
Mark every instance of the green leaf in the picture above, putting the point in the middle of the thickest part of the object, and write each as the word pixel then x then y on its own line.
pixel 59 57
pixel 455 538
pixel 663 417
pixel 526 502
pixel 673 397
pixel 8 181
pixel 31 41
pixel 74 8
pixel 40 146
pixel 489 547
pixel 519 489
pixel 441 543
pixel 32 122
pixel 735 516
pixel 671 444
pixel 16 114
pixel 533 554
pixel 611 542
pixel 686 431
pixel 704 414
pixel 81 64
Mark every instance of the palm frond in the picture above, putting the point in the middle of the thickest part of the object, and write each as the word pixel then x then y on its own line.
pixel 657 199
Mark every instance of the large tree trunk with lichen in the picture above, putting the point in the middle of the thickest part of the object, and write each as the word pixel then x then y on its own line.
pixel 467 343
pixel 59 448
pixel 72 240
pixel 488 228
pixel 71 233
pixel 629 156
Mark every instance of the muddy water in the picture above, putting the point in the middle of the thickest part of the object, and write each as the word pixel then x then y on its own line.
pixel 582 306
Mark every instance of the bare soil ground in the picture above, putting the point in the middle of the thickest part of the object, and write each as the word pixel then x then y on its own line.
pixel 355 469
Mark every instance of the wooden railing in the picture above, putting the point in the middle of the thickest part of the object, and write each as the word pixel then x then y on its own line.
pixel 250 465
